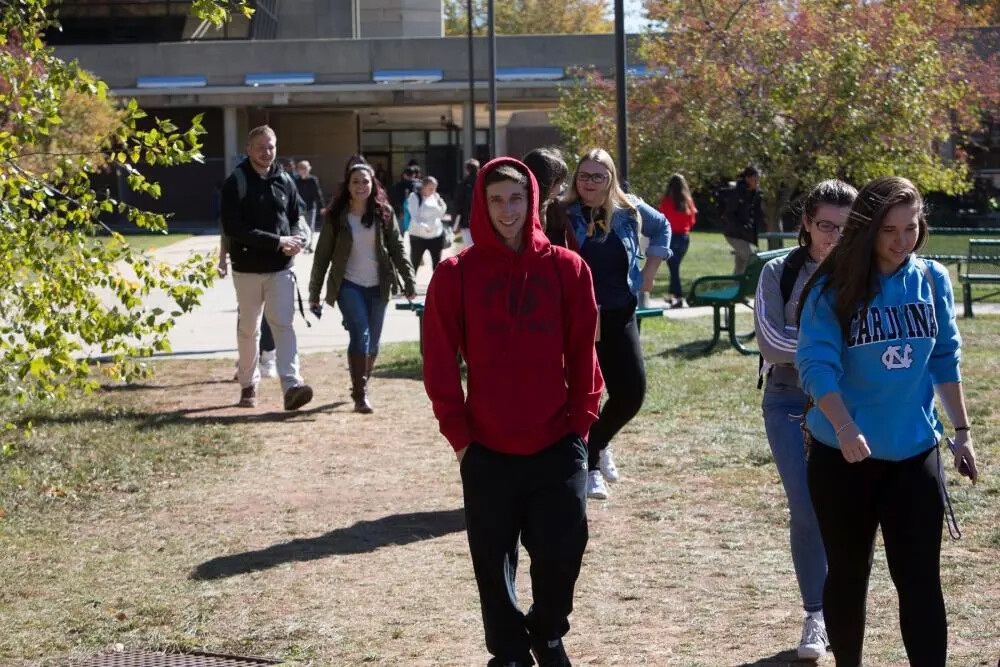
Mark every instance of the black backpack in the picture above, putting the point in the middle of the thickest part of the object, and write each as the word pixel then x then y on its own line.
pixel 794 262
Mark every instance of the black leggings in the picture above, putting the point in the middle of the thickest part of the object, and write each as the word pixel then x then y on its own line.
pixel 851 501
pixel 620 356
pixel 419 245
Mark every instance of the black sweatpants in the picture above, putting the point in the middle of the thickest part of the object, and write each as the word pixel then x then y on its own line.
pixel 541 499
pixel 619 353
pixel 419 245
pixel 851 501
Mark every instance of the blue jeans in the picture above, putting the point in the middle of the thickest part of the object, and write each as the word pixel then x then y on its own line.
pixel 782 407
pixel 678 246
pixel 364 314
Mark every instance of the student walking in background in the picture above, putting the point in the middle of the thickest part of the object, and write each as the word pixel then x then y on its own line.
pixel 605 224
pixel 522 315
pixel 261 216
pixel 463 200
pixel 776 305
pixel 877 337
pixel 360 254
pixel 427 230
pixel 550 171
pixel 312 197
pixel 743 217
pixel 679 209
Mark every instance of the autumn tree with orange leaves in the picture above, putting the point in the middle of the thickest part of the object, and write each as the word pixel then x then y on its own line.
pixel 804 89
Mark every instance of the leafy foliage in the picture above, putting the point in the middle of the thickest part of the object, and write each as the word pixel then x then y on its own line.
pixel 805 89
pixel 69 295
pixel 529 17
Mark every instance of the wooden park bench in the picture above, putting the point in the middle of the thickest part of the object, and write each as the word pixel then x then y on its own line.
pixel 418 308
pixel 982 267
pixel 724 293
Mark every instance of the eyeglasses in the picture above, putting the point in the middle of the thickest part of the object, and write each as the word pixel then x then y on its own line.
pixel 828 227
pixel 596 179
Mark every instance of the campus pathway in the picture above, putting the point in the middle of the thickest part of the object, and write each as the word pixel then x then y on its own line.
pixel 210 329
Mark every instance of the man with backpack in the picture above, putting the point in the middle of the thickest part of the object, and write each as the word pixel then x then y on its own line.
pixel 523 316
pixel 400 193
pixel 261 215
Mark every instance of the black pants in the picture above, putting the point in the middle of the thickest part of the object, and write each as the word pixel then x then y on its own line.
pixel 851 501
pixel 619 353
pixel 419 245
pixel 541 499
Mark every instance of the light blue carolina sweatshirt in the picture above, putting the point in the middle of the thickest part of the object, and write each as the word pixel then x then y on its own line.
pixel 898 349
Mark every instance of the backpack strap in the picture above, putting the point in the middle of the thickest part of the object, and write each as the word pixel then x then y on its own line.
pixel 794 261
pixel 241 183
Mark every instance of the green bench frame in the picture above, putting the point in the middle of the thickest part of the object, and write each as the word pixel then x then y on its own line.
pixel 724 293
pixel 984 255
pixel 418 308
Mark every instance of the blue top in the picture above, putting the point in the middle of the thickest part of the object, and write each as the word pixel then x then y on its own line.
pixel 605 255
pixel 898 349
pixel 625 226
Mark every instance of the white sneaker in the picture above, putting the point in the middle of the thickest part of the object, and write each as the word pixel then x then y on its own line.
pixel 596 488
pixel 814 640
pixel 608 467
pixel 268 364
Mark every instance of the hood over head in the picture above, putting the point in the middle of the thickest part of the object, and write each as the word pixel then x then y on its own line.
pixel 534 239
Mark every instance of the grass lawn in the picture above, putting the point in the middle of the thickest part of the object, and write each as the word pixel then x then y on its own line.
pixel 152 241
pixel 159 516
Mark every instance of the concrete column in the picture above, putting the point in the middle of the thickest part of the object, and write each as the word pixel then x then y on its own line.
pixel 468 134
pixel 502 141
pixel 230 137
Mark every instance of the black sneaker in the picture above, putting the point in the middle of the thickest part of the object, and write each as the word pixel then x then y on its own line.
pixel 550 654
pixel 298 396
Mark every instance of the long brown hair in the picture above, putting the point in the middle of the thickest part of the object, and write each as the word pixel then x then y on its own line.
pixel 852 266
pixel 678 190
pixel 376 206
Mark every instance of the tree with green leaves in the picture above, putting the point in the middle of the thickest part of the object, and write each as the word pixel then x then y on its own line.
pixel 529 17
pixel 72 288
pixel 805 90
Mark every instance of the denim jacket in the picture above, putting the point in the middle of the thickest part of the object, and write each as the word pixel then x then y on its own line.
pixel 623 223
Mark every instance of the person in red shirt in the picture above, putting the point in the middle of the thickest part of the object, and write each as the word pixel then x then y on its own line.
pixel 680 211
pixel 522 314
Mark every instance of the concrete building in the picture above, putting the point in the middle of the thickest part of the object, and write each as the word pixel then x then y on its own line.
pixel 333 77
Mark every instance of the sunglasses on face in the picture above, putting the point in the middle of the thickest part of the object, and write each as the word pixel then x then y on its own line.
pixel 596 179
pixel 828 227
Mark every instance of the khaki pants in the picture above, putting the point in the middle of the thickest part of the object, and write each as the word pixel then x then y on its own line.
pixel 272 294
pixel 742 250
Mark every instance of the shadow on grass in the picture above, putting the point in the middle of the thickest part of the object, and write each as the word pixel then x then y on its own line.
pixel 155 420
pixel 362 537
pixel 784 658
pixel 694 349
pixel 402 369
pixel 142 386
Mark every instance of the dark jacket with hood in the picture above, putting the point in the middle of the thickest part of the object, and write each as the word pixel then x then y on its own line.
pixel 525 323
pixel 254 224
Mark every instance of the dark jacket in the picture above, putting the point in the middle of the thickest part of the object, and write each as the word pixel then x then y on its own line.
pixel 463 199
pixel 269 210
pixel 744 213
pixel 525 324
pixel 334 249
pixel 310 192
pixel 400 192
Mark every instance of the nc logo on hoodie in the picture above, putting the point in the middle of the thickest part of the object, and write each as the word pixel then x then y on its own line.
pixel 892 360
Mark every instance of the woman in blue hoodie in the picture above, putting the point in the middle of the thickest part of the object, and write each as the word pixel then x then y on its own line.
pixel 604 227
pixel 877 337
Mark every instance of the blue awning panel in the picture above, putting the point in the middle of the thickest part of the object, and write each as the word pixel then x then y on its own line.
pixel 280 79
pixel 172 81
pixel 529 73
pixel 407 75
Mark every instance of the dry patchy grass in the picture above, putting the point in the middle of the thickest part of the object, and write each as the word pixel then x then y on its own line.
pixel 329 538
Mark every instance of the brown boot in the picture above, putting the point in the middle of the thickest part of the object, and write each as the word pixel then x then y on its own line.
pixel 370 365
pixel 358 365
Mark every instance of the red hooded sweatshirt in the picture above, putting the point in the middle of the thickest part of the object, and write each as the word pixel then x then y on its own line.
pixel 525 323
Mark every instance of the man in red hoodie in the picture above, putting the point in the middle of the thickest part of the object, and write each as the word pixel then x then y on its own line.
pixel 522 314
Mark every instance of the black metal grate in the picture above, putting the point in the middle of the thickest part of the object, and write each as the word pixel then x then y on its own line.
pixel 146 659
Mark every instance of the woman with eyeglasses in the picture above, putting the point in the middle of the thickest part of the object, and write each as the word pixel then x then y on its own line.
pixel 604 225
pixel 824 214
